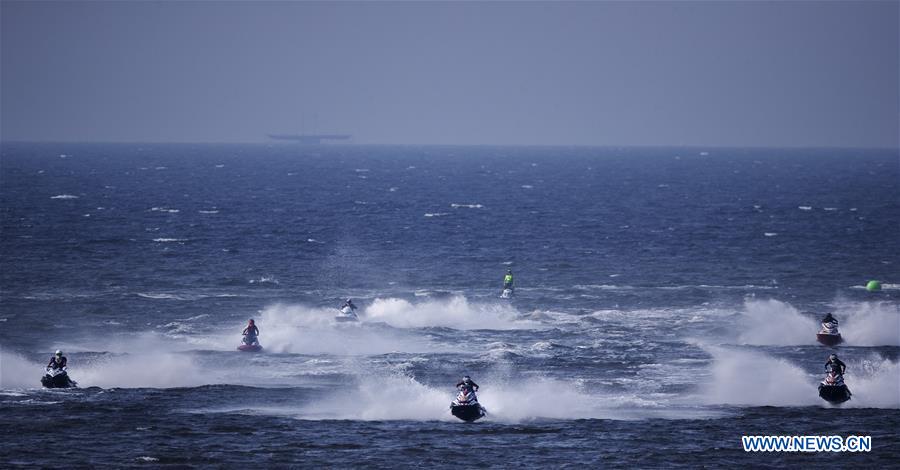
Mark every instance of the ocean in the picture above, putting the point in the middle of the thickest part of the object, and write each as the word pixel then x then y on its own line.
pixel 666 304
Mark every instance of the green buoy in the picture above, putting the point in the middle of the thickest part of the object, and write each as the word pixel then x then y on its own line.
pixel 873 286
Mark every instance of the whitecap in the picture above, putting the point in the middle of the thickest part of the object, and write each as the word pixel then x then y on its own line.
pixel 527 186
pixel 170 240
pixel 265 280
pixel 164 209
pixel 159 296
pixel 468 206
pixel 435 214
pixel 209 212
pixel 65 196
pixel 804 208
pixel 770 234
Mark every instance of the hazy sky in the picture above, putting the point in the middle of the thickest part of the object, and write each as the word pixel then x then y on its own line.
pixel 604 73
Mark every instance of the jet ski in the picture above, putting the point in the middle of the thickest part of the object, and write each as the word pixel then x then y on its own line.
pixel 833 389
pixel 507 293
pixel 466 406
pixel 250 344
pixel 829 334
pixel 347 314
pixel 57 378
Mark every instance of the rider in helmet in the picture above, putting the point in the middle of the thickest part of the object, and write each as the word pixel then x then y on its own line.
pixel 349 303
pixel 835 365
pixel 829 319
pixel 250 332
pixel 57 361
pixel 467 383
pixel 508 279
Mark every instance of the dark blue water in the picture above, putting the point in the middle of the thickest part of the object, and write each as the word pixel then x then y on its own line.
pixel 667 302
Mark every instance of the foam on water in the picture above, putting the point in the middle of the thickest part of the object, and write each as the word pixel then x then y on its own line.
pixel 301 329
pixel 740 377
pixel 869 323
pixel 753 378
pixel 382 398
pixel 387 397
pixel 874 382
pixel 774 323
pixel 152 369
pixel 456 312
pixel 17 372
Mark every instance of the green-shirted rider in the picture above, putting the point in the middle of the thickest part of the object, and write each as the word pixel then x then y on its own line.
pixel 508 279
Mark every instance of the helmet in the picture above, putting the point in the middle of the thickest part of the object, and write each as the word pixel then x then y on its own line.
pixel 466 379
pixel 251 321
pixel 349 300
pixel 509 271
pixel 832 357
pixel 58 352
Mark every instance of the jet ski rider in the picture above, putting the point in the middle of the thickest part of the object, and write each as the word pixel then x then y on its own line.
pixel 508 279
pixel 829 319
pixel 250 333
pixel 836 365
pixel 468 384
pixel 349 303
pixel 57 361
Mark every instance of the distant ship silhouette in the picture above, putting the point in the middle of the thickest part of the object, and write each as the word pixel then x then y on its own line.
pixel 313 139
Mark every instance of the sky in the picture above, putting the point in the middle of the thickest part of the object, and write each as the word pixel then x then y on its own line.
pixel 729 73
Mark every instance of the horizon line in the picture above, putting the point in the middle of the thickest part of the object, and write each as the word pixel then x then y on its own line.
pixel 554 145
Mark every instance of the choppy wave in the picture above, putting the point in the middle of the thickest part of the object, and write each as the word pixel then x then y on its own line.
pixel 265 280
pixel 64 196
pixel 185 296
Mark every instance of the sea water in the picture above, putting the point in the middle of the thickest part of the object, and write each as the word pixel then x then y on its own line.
pixel 666 303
